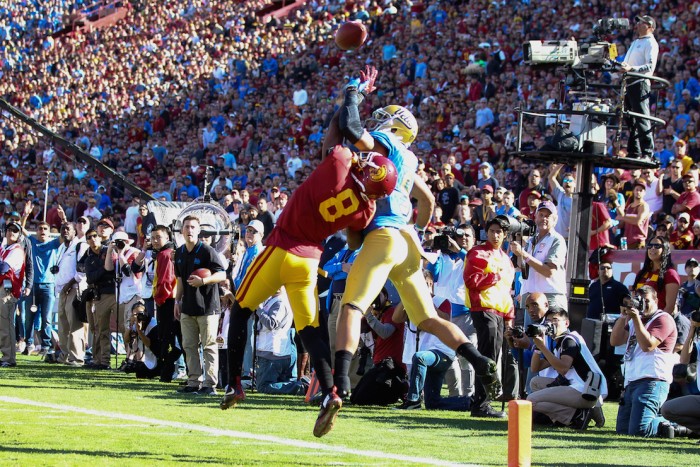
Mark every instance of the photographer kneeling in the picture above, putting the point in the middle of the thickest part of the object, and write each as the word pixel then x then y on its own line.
pixel 143 336
pixel 570 383
pixel 650 335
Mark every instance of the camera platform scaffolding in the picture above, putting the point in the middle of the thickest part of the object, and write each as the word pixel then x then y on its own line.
pixel 590 118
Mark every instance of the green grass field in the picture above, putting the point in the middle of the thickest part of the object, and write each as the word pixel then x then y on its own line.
pixel 56 415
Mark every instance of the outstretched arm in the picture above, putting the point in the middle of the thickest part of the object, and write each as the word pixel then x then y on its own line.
pixel 346 122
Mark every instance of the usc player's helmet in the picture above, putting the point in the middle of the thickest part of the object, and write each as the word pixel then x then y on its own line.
pixel 397 120
pixel 376 175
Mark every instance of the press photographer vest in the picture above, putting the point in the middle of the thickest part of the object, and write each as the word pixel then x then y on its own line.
pixel 578 381
pixel 655 364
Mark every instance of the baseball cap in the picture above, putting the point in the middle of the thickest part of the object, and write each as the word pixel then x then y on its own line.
pixel 107 222
pixel 646 19
pixel 640 183
pixel 487 188
pixel 15 225
pixel 30 193
pixel 256 225
pixel 683 215
pixel 535 194
pixel 547 205
pixel 692 262
pixel 688 175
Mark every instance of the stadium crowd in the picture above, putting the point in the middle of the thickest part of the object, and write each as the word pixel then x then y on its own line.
pixel 180 87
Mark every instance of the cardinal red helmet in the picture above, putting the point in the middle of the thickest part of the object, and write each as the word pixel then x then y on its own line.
pixel 376 175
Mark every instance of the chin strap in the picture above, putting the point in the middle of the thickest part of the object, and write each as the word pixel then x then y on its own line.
pixel 361 185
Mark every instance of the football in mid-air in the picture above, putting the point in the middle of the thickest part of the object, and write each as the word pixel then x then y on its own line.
pixel 351 35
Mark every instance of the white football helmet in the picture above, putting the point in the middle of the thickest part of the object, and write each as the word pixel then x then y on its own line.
pixel 397 120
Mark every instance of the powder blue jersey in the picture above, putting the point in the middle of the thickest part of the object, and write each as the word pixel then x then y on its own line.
pixel 395 210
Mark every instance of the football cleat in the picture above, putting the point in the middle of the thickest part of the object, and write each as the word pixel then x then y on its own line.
pixel 232 396
pixel 327 414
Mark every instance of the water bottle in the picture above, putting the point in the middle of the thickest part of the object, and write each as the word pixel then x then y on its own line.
pixel 623 243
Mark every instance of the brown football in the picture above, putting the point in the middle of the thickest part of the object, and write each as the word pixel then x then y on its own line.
pixel 351 35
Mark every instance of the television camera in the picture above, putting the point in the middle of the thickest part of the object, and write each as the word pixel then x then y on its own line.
pixel 595 54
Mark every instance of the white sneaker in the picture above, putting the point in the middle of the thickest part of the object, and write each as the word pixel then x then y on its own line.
pixel 21 345
pixel 35 351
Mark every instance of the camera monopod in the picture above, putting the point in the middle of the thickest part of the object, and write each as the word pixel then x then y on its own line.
pixel 118 283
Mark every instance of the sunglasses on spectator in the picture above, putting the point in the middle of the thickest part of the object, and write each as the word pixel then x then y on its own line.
pixel 655 246
pixel 676 167
pixel 90 237
pixel 82 221
pixel 605 267
pixel 568 180
pixel 13 229
pixel 682 221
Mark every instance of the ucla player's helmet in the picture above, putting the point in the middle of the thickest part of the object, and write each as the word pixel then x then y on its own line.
pixel 376 175
pixel 397 120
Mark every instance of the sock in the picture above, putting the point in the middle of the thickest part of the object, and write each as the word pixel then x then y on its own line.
pixel 342 368
pixel 478 361
pixel 237 337
pixel 320 356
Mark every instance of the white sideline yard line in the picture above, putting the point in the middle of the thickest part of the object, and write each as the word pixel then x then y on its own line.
pixel 232 433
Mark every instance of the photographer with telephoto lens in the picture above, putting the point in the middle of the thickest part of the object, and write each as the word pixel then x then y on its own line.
pixel 570 384
pixel 649 335
pixel 120 258
pixel 543 259
pixel 453 245
pixel 536 307
pixel 69 286
pixel 100 298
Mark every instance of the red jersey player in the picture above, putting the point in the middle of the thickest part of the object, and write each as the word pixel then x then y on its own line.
pixel 339 194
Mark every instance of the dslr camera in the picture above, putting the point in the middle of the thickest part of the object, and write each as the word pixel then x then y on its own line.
pixel 638 303
pixel 442 243
pixel 525 228
pixel 120 244
pixel 54 269
pixel 540 330
pixel 518 332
